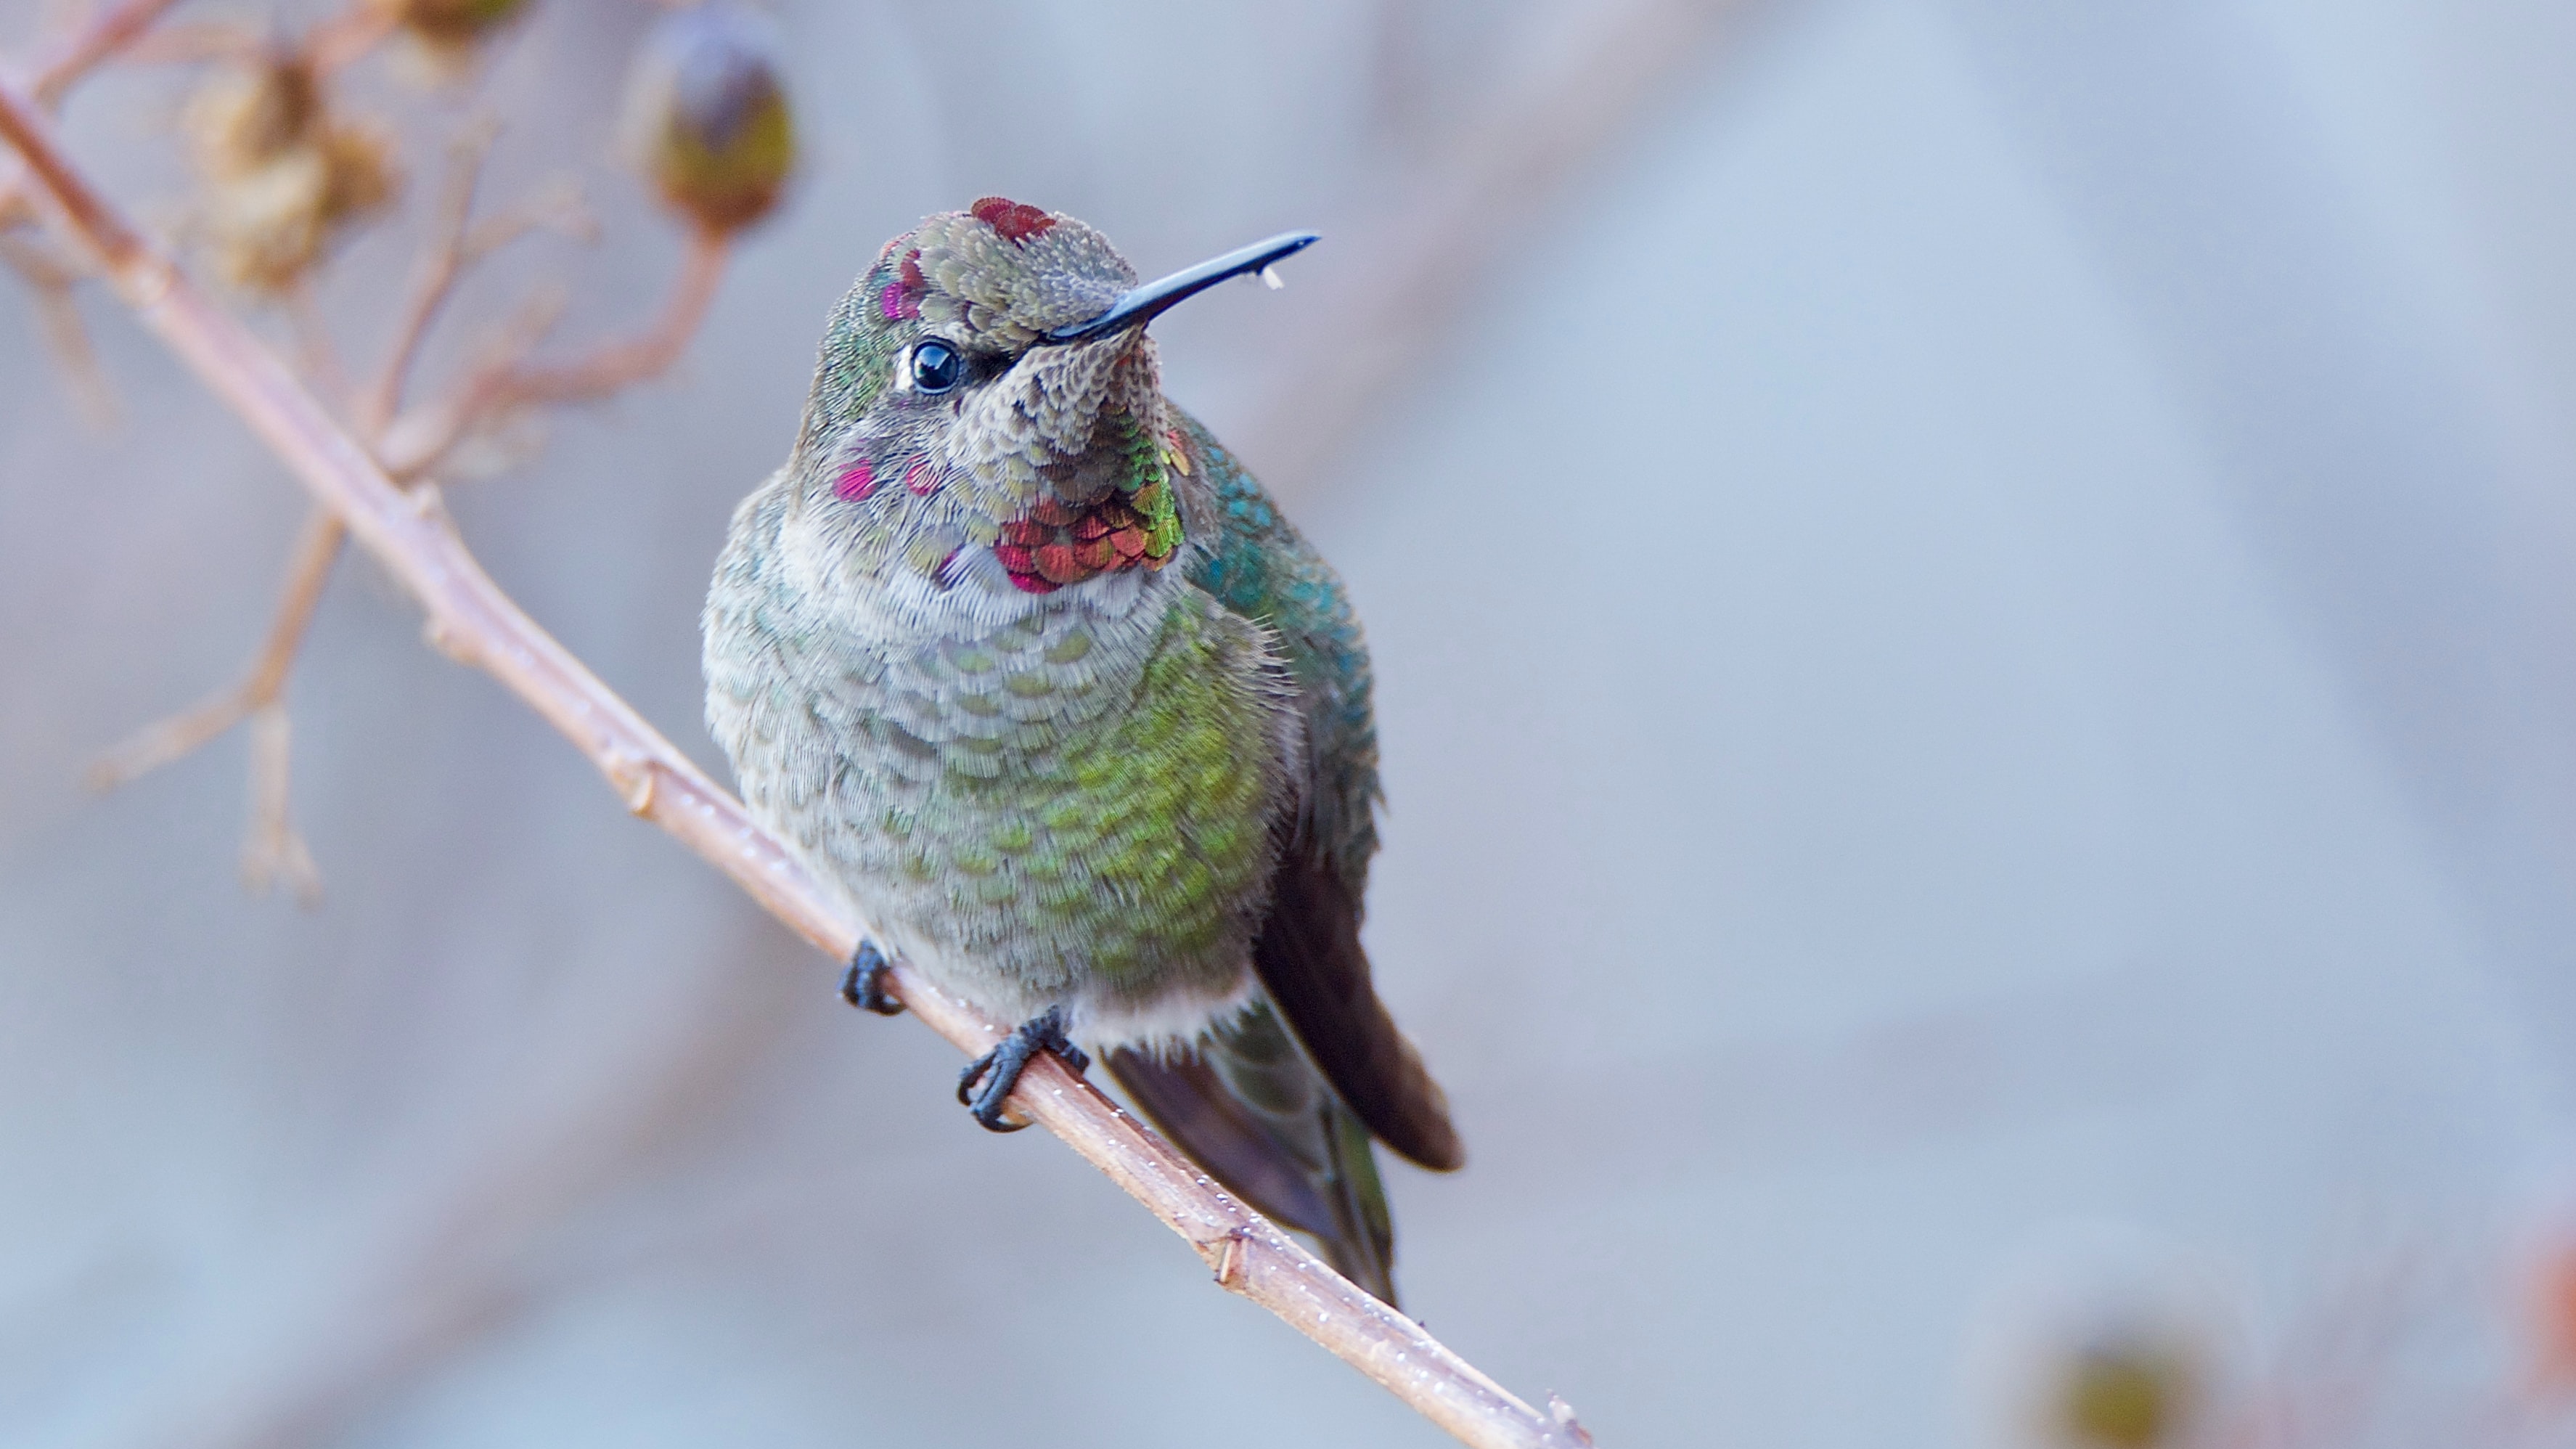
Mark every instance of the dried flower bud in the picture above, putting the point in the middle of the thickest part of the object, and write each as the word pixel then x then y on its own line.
pixel 707 119
pixel 454 22
pixel 283 174
pixel 2108 1341
pixel 2551 1304
pixel 242 118
pixel 2128 1390
pixel 360 176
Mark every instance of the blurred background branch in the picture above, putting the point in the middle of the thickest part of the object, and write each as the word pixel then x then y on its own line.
pixel 98 38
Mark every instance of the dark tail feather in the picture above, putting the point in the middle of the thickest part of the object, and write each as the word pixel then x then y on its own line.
pixel 1253 1111
pixel 1309 958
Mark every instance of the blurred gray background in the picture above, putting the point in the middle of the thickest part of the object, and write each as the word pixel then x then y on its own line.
pixel 1973 606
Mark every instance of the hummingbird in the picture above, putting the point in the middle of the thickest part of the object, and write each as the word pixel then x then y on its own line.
pixel 1030 670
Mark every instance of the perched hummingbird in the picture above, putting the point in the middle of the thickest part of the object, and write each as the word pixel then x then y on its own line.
pixel 1031 671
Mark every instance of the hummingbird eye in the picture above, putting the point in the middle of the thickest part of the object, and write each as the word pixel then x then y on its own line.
pixel 936 367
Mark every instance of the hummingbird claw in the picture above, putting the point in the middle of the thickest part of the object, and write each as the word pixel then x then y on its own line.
pixel 864 986
pixel 1000 1068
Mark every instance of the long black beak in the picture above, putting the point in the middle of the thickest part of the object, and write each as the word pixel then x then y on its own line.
pixel 1145 303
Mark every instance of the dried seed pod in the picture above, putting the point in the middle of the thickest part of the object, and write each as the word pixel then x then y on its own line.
pixel 282 174
pixel 707 117
pixel 358 162
pixel 454 22
pixel 2128 1390
pixel 244 117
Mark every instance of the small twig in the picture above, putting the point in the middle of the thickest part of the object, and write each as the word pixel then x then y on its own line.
pixel 101 37
pixel 106 33
pixel 198 43
pixel 426 435
pixel 343 38
pixel 265 685
pixel 419 439
pixel 175 738
pixel 471 619
pixel 315 353
pixel 273 851
pixel 443 262
pixel 558 208
pixel 51 281
pixel 647 355
pixel 456 242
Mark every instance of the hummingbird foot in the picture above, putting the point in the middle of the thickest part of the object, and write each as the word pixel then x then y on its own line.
pixel 864 987
pixel 999 1069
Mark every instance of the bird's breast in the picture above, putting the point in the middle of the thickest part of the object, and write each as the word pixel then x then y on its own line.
pixel 1071 806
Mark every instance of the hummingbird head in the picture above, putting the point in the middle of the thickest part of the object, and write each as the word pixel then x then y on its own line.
pixel 987 410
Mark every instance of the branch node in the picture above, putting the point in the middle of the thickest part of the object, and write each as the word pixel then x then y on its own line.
pixel 632 776
pixel 1561 1414
pixel 445 637
pixel 51 280
pixel 273 851
pixel 1229 1260
pixel 146 285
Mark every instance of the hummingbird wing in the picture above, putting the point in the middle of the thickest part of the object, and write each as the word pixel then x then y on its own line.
pixel 1309 957
pixel 1308 954
pixel 1251 1109
pixel 1280 1103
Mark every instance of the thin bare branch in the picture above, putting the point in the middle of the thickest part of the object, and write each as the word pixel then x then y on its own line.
pixel 443 261
pixel 559 208
pixel 470 619
pixel 505 385
pixel 265 685
pixel 427 435
pixel 646 355
pixel 272 851
pixel 68 336
pixel 51 281
pixel 456 242
pixel 316 355
pixel 343 38
pixel 198 43
pixel 107 32
pixel 175 738
pixel 92 43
